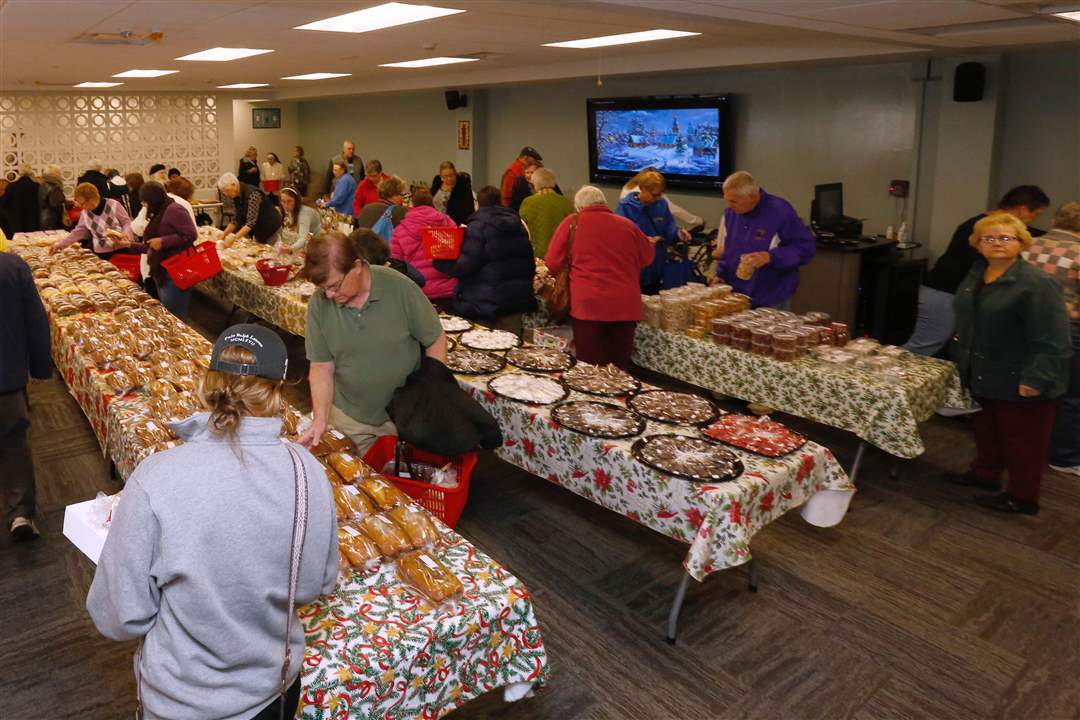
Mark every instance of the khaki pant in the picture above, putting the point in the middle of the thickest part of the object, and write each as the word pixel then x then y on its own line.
pixel 362 434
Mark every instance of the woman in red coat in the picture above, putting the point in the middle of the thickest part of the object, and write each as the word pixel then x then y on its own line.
pixel 606 258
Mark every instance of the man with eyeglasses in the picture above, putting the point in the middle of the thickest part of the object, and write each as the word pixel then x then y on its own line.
pixel 936 320
pixel 366 326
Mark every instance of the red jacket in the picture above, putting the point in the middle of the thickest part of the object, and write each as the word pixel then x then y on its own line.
pixel 407 244
pixel 510 175
pixel 608 254
pixel 366 192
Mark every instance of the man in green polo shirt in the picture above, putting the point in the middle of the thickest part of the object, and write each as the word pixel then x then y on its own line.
pixel 365 329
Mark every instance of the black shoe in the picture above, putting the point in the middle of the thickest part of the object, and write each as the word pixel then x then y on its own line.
pixel 23 529
pixel 970 479
pixel 1004 502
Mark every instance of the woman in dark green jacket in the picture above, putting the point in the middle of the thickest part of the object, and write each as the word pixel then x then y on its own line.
pixel 1012 349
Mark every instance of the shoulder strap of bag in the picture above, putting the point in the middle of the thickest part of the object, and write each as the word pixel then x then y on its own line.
pixel 570 240
pixel 300 517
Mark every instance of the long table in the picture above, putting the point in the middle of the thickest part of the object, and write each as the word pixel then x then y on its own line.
pixel 881 413
pixel 374 647
pixel 716 521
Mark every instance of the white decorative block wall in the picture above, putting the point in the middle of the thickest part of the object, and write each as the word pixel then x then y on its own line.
pixel 126 132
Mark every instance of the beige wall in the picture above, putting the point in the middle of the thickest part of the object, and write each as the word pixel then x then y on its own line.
pixel 410 133
pixel 277 140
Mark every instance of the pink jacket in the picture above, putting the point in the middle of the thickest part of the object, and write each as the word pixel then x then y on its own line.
pixel 407 245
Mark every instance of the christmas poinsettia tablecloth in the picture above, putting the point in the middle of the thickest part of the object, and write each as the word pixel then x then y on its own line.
pixel 718 520
pixel 376 649
pixel 882 413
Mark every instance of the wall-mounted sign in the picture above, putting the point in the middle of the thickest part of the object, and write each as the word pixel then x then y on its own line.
pixel 464 134
pixel 265 118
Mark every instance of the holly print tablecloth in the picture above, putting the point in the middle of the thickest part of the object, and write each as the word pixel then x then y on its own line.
pixel 717 520
pixel 883 414
pixel 376 649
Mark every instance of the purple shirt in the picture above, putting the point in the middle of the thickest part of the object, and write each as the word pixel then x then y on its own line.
pixel 773 226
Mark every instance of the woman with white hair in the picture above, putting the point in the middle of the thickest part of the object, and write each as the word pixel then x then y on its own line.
pixel 543 211
pixel 254 213
pixel 52 212
pixel 606 253
pixel 21 201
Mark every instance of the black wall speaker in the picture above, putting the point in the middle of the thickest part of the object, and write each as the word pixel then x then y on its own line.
pixel 969 82
pixel 455 100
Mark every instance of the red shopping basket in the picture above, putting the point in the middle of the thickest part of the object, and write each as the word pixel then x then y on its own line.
pixel 444 503
pixel 273 274
pixel 191 267
pixel 128 264
pixel 442 243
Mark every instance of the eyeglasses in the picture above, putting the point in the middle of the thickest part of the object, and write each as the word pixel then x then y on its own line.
pixel 332 289
pixel 997 239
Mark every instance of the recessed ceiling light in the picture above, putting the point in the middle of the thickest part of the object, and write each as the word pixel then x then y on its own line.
pixel 145 73
pixel 316 76
pixel 429 62
pixel 623 39
pixel 223 54
pixel 242 86
pixel 379 17
pixel 97 84
pixel 1073 16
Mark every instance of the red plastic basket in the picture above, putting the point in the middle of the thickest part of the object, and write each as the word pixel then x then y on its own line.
pixel 442 243
pixel 444 503
pixel 128 264
pixel 273 273
pixel 191 267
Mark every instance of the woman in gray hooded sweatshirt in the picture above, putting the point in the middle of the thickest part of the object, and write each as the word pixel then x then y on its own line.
pixel 198 554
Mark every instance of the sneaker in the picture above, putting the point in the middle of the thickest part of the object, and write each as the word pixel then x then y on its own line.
pixel 1006 503
pixel 970 479
pixel 1073 470
pixel 23 529
pixel 946 411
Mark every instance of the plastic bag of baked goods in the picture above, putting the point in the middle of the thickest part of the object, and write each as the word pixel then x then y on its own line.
pixel 332 441
pixel 387 534
pixel 423 571
pixel 150 432
pixel 118 382
pixel 416 523
pixel 385 494
pixel 348 467
pixel 332 476
pixel 351 503
pixel 356 549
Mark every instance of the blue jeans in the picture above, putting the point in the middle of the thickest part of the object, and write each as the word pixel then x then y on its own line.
pixel 935 324
pixel 173 298
pixel 1065 439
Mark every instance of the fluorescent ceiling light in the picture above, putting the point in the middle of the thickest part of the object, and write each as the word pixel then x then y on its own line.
pixel 1073 16
pixel 223 54
pixel 623 39
pixel 242 86
pixel 145 73
pixel 97 84
pixel 379 17
pixel 429 62
pixel 255 100
pixel 316 76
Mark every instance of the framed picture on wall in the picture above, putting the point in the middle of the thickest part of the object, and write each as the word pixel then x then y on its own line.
pixel 464 134
pixel 265 118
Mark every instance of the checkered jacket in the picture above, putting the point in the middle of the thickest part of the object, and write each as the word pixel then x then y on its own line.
pixel 112 217
pixel 1058 254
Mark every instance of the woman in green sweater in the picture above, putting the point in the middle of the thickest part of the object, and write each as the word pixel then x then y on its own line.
pixel 544 210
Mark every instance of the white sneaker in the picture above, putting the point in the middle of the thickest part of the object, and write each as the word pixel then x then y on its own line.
pixel 946 411
pixel 23 529
pixel 1074 470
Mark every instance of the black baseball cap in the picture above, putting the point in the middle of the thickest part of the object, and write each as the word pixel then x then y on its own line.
pixel 530 152
pixel 271 357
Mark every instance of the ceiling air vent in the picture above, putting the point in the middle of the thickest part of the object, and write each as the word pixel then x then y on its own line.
pixel 124 37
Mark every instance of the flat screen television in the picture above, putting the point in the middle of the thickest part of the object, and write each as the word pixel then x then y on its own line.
pixel 687 138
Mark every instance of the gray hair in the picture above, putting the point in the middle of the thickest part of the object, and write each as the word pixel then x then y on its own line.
pixel 543 178
pixel 227 180
pixel 741 183
pixel 588 195
pixel 1067 217
pixel 94 165
pixel 26 168
pixel 53 172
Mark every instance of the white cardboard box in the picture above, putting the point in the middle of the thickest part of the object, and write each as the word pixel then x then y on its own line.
pixel 83 532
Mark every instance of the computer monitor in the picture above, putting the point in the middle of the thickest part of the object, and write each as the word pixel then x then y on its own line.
pixel 828 205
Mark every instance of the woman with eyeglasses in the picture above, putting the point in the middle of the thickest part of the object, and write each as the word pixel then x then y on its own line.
pixel 1012 349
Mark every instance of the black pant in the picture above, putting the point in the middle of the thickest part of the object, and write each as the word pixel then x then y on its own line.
pixel 16 465
pixel 292 699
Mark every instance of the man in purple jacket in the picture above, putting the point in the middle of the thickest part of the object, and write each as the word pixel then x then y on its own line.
pixel 24 353
pixel 762 243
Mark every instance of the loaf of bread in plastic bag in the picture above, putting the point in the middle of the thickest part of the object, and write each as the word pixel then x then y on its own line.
pixel 423 571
